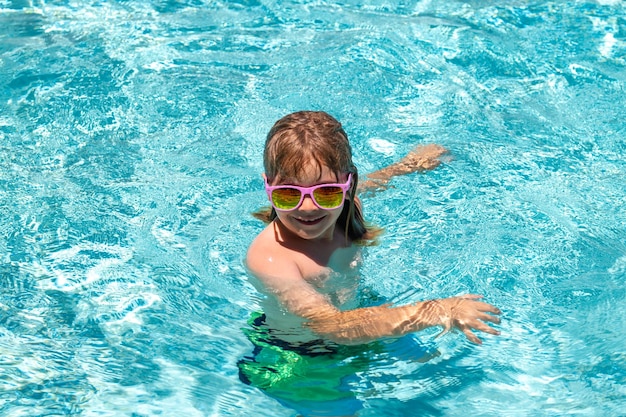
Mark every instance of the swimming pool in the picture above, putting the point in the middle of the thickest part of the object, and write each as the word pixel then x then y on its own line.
pixel 131 135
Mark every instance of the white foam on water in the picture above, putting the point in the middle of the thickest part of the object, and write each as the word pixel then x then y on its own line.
pixel 79 266
pixel 382 146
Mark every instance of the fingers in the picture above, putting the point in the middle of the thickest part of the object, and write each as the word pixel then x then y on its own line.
pixel 467 329
pixel 478 325
pixel 468 315
pixel 479 305
pixel 489 318
pixel 472 337
pixel 485 328
pixel 484 314
pixel 486 307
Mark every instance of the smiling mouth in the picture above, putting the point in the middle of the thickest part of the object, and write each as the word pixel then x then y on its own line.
pixel 309 222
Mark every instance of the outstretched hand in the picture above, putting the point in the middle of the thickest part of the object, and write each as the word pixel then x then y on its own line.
pixel 466 313
pixel 422 158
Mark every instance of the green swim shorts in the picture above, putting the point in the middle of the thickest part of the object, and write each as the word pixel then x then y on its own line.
pixel 300 373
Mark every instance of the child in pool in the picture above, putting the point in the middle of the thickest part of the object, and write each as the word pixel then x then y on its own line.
pixel 303 259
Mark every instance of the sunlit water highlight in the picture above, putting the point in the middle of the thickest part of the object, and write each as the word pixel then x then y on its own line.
pixel 130 152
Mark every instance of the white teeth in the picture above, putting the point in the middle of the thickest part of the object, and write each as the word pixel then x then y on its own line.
pixel 308 220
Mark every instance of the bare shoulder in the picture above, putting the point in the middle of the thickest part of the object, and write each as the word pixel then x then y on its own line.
pixel 260 252
pixel 267 258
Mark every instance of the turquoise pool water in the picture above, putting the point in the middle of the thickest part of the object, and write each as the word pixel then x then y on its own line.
pixel 131 135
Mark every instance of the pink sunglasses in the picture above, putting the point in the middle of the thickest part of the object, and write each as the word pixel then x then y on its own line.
pixel 324 196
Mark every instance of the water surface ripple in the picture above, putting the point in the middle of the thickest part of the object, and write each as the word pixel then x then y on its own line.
pixel 131 136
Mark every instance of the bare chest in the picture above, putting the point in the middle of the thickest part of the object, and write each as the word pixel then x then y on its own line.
pixel 338 278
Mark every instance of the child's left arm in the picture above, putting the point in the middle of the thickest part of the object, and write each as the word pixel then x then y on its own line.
pixel 422 158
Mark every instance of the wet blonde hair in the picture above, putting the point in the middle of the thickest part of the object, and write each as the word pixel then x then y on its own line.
pixel 315 137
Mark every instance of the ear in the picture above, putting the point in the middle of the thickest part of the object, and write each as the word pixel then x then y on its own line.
pixel 265 182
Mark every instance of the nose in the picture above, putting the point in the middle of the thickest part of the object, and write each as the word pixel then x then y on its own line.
pixel 308 204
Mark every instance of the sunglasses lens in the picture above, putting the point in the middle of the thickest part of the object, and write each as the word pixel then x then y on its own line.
pixel 328 197
pixel 285 198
